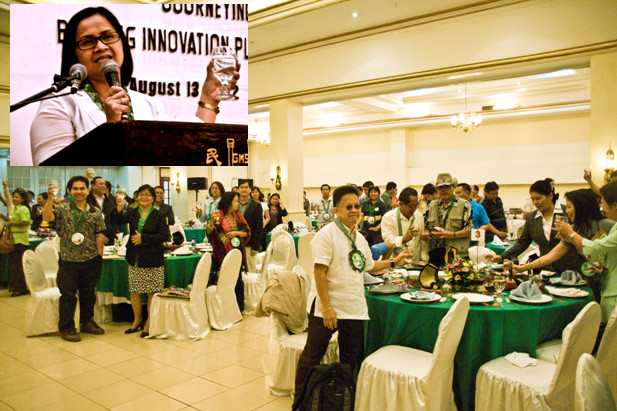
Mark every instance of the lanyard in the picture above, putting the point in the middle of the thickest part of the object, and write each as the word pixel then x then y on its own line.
pixel 400 225
pixel 78 221
pixel 445 220
pixel 234 226
pixel 326 209
pixel 142 219
pixel 344 230
pixel 97 99
pixel 213 203
pixel 371 208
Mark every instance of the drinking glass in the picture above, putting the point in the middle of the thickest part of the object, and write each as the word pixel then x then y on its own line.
pixel 121 192
pixel 224 59
pixel 56 186
pixel 500 284
pixel 562 217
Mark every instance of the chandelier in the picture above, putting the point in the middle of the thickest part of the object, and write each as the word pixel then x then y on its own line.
pixel 466 120
pixel 263 139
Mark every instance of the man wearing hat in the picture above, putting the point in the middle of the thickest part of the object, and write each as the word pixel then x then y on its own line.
pixel 448 221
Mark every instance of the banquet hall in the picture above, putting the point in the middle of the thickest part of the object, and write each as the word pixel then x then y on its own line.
pixel 336 85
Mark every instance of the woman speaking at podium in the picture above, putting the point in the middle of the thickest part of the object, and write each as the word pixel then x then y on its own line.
pixel 92 37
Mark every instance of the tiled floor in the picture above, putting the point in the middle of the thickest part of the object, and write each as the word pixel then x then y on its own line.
pixel 228 370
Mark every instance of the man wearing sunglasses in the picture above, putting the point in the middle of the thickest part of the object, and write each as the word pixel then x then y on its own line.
pixel 341 257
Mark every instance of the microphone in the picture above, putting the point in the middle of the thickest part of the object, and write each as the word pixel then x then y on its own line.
pixel 77 74
pixel 111 72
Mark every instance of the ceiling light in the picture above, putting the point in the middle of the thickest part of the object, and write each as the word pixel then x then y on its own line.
pixel 354 15
pixel 466 120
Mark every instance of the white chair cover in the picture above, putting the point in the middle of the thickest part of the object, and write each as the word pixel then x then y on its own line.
pixel 549 351
pixel 125 240
pixel 305 253
pixel 48 254
pixel 181 319
pixel 547 386
pixel 401 378
pixel 283 250
pixel 252 292
pixel 309 224
pixel 290 349
pixel 592 390
pixel 607 353
pixel 223 309
pixel 44 315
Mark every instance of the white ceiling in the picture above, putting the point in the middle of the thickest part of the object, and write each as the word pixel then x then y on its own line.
pixel 284 27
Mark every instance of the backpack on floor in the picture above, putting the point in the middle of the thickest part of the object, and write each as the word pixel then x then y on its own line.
pixel 329 387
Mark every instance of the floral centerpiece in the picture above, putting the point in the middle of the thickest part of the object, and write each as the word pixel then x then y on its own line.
pixel 462 272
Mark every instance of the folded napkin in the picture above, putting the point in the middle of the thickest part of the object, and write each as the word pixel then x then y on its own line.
pixel 566 292
pixel 122 251
pixel 527 291
pixel 497 241
pixel 570 277
pixel 422 295
pixel 521 359
pixel 184 250
pixel 369 279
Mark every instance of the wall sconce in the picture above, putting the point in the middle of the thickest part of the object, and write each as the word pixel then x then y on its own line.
pixel 609 164
pixel 178 182
pixel 276 179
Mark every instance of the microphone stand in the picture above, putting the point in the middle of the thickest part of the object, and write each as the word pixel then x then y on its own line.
pixel 60 82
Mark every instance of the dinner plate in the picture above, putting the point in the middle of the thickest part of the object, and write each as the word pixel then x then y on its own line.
pixel 567 292
pixel 545 299
pixel 387 289
pixel 579 284
pixel 407 297
pixel 370 280
pixel 474 298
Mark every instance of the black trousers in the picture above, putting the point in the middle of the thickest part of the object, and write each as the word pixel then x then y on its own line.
pixel 18 281
pixel 74 278
pixel 350 341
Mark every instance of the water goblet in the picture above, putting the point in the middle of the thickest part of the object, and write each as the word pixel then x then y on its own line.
pixel 500 285
pixel 56 186
pixel 224 59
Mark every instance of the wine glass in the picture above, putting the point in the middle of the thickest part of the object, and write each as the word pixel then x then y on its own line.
pixel 224 59
pixel 121 192
pixel 500 284
pixel 56 186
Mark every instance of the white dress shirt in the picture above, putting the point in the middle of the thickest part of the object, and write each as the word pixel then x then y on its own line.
pixel 390 232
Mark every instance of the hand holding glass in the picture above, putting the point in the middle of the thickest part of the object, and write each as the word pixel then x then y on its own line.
pixel 56 186
pixel 224 60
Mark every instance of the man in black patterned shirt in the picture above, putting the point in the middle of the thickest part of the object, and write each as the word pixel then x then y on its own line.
pixel 81 247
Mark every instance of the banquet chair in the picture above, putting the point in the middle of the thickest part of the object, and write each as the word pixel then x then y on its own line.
pixel 282 257
pixel 592 390
pixel 290 349
pixel 125 240
pixel 546 386
pixel 549 351
pixel 253 286
pixel 48 254
pixel 183 319
pixel 401 378
pixel 221 302
pixel 607 353
pixel 305 253
pixel 44 314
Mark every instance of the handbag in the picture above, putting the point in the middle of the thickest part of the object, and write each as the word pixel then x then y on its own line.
pixel 7 244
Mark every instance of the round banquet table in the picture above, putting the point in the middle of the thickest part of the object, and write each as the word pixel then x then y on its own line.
pixel 198 233
pixel 5 274
pixel 490 332
pixel 114 281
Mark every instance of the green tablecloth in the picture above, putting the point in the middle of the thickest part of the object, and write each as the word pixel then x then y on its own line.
pixel 5 275
pixel 198 233
pixel 490 332
pixel 295 237
pixel 499 249
pixel 179 271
